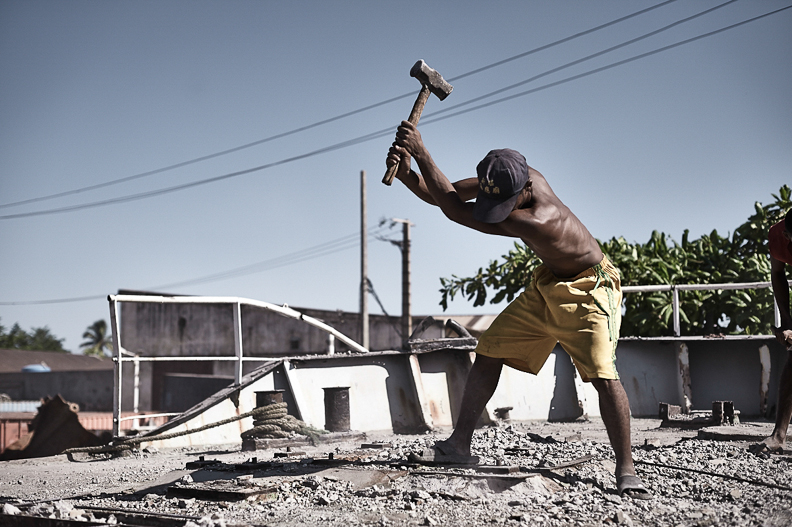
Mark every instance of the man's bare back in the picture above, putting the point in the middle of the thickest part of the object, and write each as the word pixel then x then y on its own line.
pixel 552 231
pixel 539 218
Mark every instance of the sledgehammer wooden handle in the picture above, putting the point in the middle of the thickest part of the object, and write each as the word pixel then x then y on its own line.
pixel 415 116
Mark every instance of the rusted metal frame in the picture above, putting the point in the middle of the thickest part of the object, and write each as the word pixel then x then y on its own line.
pixel 283 310
pixel 236 302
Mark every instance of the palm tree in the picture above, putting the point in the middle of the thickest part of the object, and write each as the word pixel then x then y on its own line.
pixel 98 343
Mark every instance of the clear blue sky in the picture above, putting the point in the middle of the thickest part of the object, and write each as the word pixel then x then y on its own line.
pixel 92 92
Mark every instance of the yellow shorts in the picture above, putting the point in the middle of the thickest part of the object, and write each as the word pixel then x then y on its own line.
pixel 583 314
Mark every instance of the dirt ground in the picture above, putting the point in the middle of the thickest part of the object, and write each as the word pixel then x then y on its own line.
pixel 693 481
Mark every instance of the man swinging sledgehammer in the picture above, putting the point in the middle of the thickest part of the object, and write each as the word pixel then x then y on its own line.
pixel 574 297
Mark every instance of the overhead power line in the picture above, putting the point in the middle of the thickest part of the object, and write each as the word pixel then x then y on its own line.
pixel 447 109
pixel 329 120
pixel 317 251
pixel 384 132
pixel 598 70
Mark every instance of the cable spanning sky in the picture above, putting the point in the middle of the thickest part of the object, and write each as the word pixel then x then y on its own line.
pixel 216 148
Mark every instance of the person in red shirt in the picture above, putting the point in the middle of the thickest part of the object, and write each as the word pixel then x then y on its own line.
pixel 780 242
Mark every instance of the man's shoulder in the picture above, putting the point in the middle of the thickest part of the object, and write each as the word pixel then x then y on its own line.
pixel 780 248
pixel 776 228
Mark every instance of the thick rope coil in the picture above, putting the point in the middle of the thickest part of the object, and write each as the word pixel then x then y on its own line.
pixel 273 423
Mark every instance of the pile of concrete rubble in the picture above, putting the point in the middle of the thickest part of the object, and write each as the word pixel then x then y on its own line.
pixel 532 474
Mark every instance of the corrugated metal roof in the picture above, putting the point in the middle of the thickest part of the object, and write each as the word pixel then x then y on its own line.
pixel 12 360
pixel 19 406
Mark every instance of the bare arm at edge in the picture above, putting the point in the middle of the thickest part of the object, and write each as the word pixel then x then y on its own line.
pixel 778 278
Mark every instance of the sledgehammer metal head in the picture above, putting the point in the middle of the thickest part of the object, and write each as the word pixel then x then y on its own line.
pixel 431 82
pixel 430 78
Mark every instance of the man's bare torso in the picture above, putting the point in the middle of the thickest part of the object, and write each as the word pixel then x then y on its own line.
pixel 550 229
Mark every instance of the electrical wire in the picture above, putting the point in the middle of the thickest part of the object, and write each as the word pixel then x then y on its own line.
pixel 331 119
pixel 344 243
pixel 381 133
pixel 584 59
pixel 598 70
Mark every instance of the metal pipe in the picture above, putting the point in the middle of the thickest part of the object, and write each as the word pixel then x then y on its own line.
pixel 284 310
pixel 238 342
pixel 117 368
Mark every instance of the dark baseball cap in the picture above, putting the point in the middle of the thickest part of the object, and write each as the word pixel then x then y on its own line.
pixel 502 174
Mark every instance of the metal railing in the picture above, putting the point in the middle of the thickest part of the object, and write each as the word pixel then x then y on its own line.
pixel 675 289
pixel 121 356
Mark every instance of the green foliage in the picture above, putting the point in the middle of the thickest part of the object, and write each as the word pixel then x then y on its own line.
pixel 711 259
pixel 38 339
pixel 98 342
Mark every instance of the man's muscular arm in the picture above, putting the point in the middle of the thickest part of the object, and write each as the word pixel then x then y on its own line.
pixel 438 187
pixel 442 192
pixel 778 278
pixel 466 188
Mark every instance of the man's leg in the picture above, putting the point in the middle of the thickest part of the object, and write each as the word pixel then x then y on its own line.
pixel 481 383
pixel 615 410
pixel 777 439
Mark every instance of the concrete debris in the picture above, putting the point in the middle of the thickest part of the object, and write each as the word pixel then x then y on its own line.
pixel 10 510
pixel 555 483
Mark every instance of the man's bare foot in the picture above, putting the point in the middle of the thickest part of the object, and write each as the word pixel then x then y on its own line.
pixel 770 445
pixel 631 486
pixel 448 448
pixel 442 454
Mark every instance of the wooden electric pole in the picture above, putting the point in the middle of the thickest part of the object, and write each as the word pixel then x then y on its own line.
pixel 364 315
pixel 406 318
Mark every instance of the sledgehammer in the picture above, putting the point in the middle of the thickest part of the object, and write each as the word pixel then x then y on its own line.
pixel 431 82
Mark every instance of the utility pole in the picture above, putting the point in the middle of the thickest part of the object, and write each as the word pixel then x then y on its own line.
pixel 364 315
pixel 406 318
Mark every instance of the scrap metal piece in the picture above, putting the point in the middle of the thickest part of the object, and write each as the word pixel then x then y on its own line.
pixel 376 445
pixel 422 326
pixel 289 453
pixel 202 463
pixel 221 490
pixel 464 341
